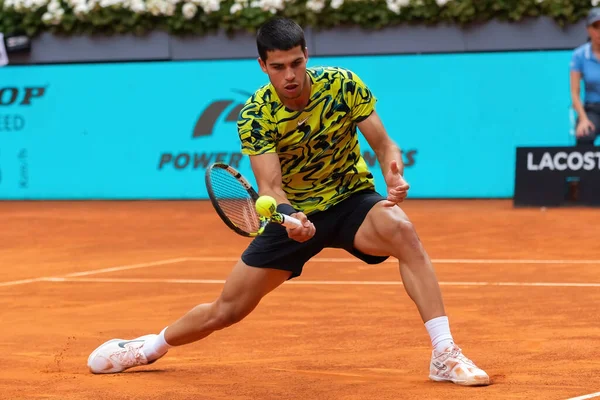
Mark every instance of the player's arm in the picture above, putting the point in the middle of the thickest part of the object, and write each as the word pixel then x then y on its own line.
pixel 576 94
pixel 389 156
pixel 384 147
pixel 258 136
pixel 267 172
pixel 584 125
pixel 362 111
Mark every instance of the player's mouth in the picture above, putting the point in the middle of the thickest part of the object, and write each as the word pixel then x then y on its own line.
pixel 291 87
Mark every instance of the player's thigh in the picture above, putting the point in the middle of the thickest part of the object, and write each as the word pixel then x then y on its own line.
pixel 382 231
pixel 246 286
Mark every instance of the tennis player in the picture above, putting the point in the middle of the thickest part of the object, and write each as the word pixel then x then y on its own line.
pixel 300 132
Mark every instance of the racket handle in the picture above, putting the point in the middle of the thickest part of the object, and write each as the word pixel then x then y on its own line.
pixel 286 220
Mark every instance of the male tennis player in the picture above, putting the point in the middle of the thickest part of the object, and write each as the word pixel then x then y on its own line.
pixel 300 132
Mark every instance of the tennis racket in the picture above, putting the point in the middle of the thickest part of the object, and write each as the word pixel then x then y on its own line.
pixel 234 199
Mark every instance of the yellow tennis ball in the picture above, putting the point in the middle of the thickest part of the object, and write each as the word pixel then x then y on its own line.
pixel 266 206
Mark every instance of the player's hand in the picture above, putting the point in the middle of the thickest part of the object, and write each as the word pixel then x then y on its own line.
pixel 304 232
pixel 397 188
pixel 584 127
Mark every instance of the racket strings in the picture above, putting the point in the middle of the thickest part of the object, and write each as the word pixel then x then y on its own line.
pixel 234 200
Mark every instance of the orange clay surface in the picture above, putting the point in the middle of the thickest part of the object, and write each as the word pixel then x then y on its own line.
pixel 75 274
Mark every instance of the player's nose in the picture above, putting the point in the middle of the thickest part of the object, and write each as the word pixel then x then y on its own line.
pixel 289 75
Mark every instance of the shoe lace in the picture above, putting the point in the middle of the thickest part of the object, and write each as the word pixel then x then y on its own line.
pixel 458 354
pixel 128 357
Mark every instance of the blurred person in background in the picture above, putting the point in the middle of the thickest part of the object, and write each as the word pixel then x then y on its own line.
pixel 585 66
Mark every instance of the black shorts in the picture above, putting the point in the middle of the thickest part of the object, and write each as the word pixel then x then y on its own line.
pixel 335 228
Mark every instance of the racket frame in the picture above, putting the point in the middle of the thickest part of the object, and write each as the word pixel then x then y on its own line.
pixel 253 195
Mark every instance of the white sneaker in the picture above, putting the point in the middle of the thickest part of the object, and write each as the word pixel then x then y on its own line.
pixel 452 366
pixel 117 355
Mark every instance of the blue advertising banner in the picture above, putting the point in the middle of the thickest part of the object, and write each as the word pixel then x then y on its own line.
pixel 148 130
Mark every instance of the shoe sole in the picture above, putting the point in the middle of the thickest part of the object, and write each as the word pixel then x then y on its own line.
pixel 457 382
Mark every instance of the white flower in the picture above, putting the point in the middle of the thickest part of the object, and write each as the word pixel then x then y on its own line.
pixel 81 9
pixel 441 3
pixel 47 17
pixel 53 18
pixel 189 10
pixel 110 3
pixel 210 5
pixel 159 7
pixel 315 5
pixel 235 8
pixel 169 9
pixel 335 4
pixel 53 6
pixel 270 5
pixel 137 6
pixel 396 5
pixel 595 3
pixel 75 3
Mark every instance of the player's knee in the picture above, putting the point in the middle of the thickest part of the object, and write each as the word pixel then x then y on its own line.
pixel 227 314
pixel 401 234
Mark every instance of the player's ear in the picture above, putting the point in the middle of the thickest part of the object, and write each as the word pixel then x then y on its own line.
pixel 306 53
pixel 262 64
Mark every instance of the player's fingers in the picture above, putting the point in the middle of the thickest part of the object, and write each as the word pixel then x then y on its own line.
pixel 397 193
pixel 303 219
pixel 397 198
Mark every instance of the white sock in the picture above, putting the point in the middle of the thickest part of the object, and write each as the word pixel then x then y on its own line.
pixel 439 332
pixel 154 349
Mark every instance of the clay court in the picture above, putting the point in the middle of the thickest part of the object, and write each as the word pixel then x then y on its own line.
pixel 522 288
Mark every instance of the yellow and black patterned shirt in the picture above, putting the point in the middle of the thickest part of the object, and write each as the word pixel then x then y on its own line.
pixel 318 147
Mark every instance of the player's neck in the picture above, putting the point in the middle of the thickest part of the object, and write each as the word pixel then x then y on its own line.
pixel 301 102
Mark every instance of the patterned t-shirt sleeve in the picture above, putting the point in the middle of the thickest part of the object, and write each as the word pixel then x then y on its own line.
pixel 256 130
pixel 359 97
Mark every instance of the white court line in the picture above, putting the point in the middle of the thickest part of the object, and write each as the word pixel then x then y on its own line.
pixel 325 259
pixel 96 271
pixel 587 396
pixel 438 261
pixel 127 267
pixel 355 283
pixel 21 282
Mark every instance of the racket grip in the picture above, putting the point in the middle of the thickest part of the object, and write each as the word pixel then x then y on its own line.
pixel 290 222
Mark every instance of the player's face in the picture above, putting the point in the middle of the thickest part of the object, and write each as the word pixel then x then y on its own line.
pixel 287 71
pixel 594 32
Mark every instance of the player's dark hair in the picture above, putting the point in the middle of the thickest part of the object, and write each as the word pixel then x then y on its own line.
pixel 279 34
